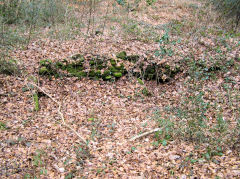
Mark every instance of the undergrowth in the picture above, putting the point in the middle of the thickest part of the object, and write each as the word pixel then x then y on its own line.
pixel 9 66
pixel 200 116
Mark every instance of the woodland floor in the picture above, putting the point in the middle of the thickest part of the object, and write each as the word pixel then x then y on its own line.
pixel 107 114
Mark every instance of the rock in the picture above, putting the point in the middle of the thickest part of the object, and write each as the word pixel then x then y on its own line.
pixel 174 157
pixel 183 177
pixel 61 170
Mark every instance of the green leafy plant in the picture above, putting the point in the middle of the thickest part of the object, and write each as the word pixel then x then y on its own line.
pixel 37 159
pixel 164 50
pixel 150 2
pixel 3 126
pixel 167 129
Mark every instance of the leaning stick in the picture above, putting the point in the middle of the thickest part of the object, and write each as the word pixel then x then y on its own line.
pixel 145 133
pixel 60 113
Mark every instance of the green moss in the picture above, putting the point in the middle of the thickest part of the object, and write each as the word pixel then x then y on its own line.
pixel 117 74
pixel 71 70
pixel 113 62
pixel 113 69
pixel 81 74
pixel 106 73
pixel 109 77
pixel 45 62
pixel 100 67
pixel 59 65
pixel 91 74
pixel 92 62
pixel 98 73
pixel 43 71
pixel 122 55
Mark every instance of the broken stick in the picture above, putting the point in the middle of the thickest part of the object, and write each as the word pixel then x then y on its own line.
pixel 61 114
pixel 145 133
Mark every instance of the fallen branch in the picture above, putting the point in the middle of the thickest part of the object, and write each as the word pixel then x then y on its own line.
pixel 60 113
pixel 145 133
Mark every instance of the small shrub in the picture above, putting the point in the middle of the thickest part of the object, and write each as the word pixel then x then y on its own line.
pixel 9 67
pixel 228 8
pixel 40 12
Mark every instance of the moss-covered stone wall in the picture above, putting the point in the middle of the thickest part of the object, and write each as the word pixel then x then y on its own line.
pixel 100 67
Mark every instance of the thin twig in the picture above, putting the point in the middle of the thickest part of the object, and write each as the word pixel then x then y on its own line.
pixel 60 113
pixel 145 133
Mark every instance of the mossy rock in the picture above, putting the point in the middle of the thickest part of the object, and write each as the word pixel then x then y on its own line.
pixel 100 67
pixel 59 65
pixel 113 69
pixel 46 62
pixel 117 74
pixel 43 71
pixel 122 55
pixel 106 73
pixel 92 62
pixel 98 74
pixel 133 58
pixel 71 69
pixel 76 65
pixel 149 73
pixel 109 77
pixel 121 67
pixel 81 74
pixel 91 74
pixel 113 62
pixel 78 56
